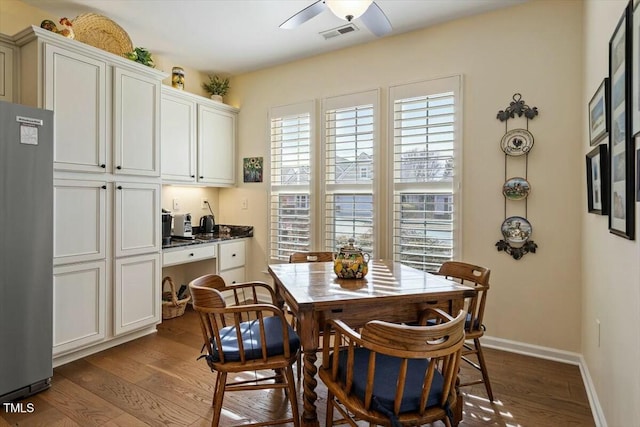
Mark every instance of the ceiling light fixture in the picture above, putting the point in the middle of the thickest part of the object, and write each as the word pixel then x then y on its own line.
pixel 348 9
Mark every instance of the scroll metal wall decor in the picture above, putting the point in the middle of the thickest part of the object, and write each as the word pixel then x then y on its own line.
pixel 516 145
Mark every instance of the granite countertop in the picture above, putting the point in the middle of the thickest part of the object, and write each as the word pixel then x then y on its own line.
pixel 235 232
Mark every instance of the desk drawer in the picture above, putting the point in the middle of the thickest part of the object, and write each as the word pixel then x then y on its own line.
pixel 231 255
pixel 188 254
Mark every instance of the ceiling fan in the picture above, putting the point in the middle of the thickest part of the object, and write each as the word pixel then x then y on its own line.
pixel 367 10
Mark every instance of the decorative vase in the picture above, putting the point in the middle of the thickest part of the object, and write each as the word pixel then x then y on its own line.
pixel 177 78
pixel 217 98
pixel 351 262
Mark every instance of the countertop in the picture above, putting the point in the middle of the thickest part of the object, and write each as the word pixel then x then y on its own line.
pixel 235 232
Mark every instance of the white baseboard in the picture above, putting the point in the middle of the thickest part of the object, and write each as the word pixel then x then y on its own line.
pixel 558 356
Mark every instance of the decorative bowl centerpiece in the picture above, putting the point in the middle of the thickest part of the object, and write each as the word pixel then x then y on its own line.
pixel 351 262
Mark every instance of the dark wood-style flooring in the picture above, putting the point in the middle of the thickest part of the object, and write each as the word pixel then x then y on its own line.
pixel 157 381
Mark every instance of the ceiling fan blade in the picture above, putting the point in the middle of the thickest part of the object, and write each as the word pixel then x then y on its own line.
pixel 376 21
pixel 304 15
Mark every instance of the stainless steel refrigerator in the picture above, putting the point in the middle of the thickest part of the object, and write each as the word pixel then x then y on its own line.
pixel 26 250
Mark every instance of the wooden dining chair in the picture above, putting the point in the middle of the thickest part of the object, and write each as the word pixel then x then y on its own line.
pixel 393 374
pixel 246 337
pixel 478 278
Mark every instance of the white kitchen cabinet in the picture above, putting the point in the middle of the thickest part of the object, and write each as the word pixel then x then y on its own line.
pixel 7 66
pixel 137 218
pixel 76 90
pixel 198 139
pixel 231 260
pixel 136 107
pixel 79 221
pixel 216 145
pixel 107 108
pixel 79 305
pixel 137 292
pixel 178 134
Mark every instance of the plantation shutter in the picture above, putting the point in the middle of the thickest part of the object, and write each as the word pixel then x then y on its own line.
pixel 425 173
pixel 290 190
pixel 349 147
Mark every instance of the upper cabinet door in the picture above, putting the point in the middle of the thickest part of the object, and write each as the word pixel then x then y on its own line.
pixel 6 73
pixel 216 146
pixel 178 134
pixel 136 124
pixel 75 89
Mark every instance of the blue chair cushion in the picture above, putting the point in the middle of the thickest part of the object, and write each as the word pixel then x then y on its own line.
pixel 384 382
pixel 250 332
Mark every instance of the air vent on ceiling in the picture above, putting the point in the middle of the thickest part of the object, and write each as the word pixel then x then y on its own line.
pixel 335 32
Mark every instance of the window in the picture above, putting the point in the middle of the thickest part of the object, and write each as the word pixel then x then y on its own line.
pixel 290 216
pixel 425 142
pixel 349 148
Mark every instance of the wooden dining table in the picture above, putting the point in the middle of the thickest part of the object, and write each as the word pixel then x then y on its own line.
pixel 390 291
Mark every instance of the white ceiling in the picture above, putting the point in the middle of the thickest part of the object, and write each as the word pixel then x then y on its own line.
pixel 229 37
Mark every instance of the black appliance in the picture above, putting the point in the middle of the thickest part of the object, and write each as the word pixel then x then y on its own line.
pixel 207 224
pixel 166 227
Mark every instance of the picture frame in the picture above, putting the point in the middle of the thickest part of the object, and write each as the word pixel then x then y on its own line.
pixel 635 70
pixel 598 114
pixel 598 180
pixel 252 168
pixel 621 145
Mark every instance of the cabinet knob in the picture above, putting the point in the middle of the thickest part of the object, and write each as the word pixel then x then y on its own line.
pixel 103 166
pixel 104 187
pixel 191 254
pixel 201 177
pixel 118 167
pixel 119 187
pixel 232 255
pixel 193 176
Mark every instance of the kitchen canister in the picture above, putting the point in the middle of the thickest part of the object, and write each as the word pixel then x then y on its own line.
pixel 177 78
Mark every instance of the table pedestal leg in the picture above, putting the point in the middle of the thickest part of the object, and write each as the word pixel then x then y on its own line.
pixel 309 414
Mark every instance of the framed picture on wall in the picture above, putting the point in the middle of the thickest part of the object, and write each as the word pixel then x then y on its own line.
pixel 597 180
pixel 598 117
pixel 635 70
pixel 621 146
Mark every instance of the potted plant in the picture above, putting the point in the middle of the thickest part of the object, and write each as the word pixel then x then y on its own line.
pixel 216 87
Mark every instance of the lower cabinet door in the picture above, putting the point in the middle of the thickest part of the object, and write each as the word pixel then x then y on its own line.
pixel 235 275
pixel 137 292
pixel 79 305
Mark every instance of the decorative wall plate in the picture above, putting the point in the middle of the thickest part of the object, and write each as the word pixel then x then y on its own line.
pixel 517 142
pixel 516 229
pixel 516 188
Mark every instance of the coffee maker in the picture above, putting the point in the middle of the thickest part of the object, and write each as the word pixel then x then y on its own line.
pixel 166 227
pixel 182 226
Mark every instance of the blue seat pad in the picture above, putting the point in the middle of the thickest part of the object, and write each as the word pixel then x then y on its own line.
pixel 384 383
pixel 251 341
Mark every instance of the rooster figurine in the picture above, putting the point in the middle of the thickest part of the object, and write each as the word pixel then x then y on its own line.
pixel 67 29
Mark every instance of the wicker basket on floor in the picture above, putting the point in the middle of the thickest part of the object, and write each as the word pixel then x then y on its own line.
pixel 171 305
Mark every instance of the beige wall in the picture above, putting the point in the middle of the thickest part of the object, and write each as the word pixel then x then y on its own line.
pixel 611 274
pixel 554 53
pixel 534 49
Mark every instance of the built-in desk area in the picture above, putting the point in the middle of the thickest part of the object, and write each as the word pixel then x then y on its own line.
pixel 220 253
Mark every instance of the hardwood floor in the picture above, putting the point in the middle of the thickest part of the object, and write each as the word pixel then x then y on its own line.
pixel 157 381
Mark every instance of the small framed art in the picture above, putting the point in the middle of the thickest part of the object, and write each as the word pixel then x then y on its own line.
pixel 621 144
pixel 597 180
pixel 252 169
pixel 598 114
